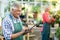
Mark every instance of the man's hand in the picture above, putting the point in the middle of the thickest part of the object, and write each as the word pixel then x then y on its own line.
pixel 24 29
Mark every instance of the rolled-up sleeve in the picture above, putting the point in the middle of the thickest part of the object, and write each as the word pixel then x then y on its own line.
pixel 7 30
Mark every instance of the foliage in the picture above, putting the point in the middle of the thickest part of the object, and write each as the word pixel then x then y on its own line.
pixel 54 3
pixel 31 0
pixel 36 9
pixel 58 11
pixel 58 32
pixel 51 12
pixel 45 2
pixel 18 0
pixel 8 6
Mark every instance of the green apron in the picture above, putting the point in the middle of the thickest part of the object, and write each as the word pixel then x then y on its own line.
pixel 17 28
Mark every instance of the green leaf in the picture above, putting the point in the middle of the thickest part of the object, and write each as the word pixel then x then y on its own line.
pixel 58 32
pixel 36 9
pixel 58 11
pixel 54 3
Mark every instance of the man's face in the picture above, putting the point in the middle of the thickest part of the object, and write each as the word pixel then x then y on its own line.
pixel 16 12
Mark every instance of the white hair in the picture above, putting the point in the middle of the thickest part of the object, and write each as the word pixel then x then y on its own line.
pixel 47 6
pixel 14 5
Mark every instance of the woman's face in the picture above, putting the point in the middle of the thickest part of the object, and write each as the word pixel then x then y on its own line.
pixel 16 12
pixel 48 9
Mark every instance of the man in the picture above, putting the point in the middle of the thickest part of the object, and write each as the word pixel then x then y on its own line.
pixel 12 25
pixel 46 24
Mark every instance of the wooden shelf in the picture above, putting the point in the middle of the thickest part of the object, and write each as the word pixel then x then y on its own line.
pixel 28 36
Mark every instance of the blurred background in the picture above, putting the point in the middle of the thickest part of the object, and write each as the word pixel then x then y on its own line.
pixel 31 7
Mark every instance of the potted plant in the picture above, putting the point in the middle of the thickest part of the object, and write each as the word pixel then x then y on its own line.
pixel 58 21
pixel 57 17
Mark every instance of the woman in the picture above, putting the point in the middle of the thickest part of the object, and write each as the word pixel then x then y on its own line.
pixel 47 18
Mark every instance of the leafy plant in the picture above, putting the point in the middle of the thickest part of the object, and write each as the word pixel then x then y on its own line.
pixel 8 6
pixel 58 32
pixel 45 2
pixel 18 0
pixel 51 12
pixel 54 3
pixel 36 8
pixel 58 11
pixel 31 0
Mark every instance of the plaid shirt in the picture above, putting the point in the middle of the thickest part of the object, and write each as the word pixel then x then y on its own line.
pixel 8 27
